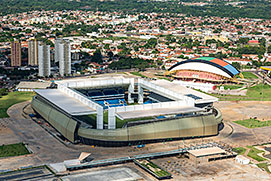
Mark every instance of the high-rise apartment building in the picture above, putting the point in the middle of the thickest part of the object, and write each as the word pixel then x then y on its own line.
pixel 63 56
pixel 33 52
pixel 16 54
pixel 44 59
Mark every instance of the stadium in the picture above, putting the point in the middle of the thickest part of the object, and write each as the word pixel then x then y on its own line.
pixel 204 69
pixel 119 111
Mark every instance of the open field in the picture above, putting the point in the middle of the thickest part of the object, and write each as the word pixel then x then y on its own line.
pixel 13 150
pixel 248 75
pixel 256 93
pixel 253 123
pixel 11 99
pixel 239 150
pixel 253 153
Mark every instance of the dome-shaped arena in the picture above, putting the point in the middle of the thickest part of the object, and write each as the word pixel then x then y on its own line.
pixel 204 69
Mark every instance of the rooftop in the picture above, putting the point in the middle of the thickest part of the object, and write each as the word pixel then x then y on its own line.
pixel 206 151
pixel 33 85
pixel 67 103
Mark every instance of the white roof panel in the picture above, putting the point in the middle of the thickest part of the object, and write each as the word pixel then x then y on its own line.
pixel 65 102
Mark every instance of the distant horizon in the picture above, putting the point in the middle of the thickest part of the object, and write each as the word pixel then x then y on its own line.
pixel 248 9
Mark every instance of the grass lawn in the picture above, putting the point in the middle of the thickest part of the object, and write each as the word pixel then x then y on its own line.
pixel 138 74
pixel 256 93
pixel 13 98
pixel 226 87
pixel 249 75
pixel 239 150
pixel 253 123
pixel 155 169
pixel 264 166
pixel 260 91
pixel 253 154
pixel 13 150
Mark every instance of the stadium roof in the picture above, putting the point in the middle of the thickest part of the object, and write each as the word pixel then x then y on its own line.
pixel 218 63
pixel 157 112
pixel 196 95
pixel 65 102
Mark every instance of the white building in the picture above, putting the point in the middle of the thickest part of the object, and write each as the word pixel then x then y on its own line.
pixel 44 59
pixel 63 56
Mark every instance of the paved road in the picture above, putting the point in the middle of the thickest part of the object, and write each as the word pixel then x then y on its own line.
pixel 46 148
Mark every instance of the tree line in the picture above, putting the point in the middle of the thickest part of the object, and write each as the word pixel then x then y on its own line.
pixel 251 9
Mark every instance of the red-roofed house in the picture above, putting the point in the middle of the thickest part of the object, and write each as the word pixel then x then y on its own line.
pixel 253 42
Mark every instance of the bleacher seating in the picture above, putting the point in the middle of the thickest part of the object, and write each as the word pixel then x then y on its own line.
pixel 160 117
pixel 102 103
pixel 120 91
pixel 95 94
pixel 110 92
pixel 113 97
pixel 122 101
pixel 179 115
pixel 149 101
pixel 112 103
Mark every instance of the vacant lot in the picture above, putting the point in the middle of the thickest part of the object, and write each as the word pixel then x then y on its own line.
pixel 13 98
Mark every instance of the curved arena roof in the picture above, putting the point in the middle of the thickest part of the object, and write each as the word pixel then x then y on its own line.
pixel 207 64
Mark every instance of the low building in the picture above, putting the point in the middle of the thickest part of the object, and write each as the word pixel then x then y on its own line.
pixel 209 154
pixel 242 160
pixel 25 86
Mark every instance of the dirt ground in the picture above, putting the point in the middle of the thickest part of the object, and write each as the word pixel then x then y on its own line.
pixel 239 110
pixel 183 169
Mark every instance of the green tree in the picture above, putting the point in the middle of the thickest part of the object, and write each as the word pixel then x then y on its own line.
pixel 97 56
pixel 151 43
pixel 236 65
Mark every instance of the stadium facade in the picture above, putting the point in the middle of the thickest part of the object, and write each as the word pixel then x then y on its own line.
pixel 118 111
pixel 204 69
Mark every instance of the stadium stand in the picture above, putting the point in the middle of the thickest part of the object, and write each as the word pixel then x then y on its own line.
pixel 113 97
pixel 149 101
